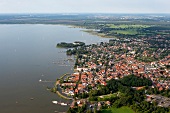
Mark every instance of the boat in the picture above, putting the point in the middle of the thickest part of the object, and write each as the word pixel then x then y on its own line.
pixel 40 80
pixel 64 104
pixel 54 102
pixel 31 98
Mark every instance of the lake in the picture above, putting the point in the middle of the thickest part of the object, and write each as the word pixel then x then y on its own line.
pixel 28 53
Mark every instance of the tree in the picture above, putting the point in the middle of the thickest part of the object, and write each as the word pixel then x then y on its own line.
pixel 71 110
pixel 89 111
pixel 95 110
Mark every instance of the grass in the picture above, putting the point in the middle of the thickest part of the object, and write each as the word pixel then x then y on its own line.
pixel 123 109
pixel 106 97
pixel 109 96
pixel 112 95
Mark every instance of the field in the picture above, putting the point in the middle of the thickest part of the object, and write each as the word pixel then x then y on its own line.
pixel 125 29
pixel 127 26
pixel 119 30
pixel 118 110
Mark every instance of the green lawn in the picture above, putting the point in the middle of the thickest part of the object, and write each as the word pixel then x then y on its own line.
pixel 123 109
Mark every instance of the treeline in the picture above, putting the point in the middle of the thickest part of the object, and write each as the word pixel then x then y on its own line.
pixel 77 51
pixel 158 28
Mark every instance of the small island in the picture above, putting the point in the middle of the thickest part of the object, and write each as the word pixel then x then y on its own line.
pixel 70 45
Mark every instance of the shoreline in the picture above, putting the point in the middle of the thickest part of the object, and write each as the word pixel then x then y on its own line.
pixel 56 86
pixel 101 35
pixel 90 31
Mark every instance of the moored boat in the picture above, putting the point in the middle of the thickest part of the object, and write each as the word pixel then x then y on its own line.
pixel 54 102
pixel 64 104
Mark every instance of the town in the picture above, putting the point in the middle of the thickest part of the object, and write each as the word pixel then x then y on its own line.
pixel 96 64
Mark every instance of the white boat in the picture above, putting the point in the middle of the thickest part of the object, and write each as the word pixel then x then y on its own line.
pixel 64 104
pixel 54 102
pixel 40 80
pixel 31 98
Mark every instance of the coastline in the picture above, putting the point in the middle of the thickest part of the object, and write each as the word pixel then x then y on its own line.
pixel 101 35
pixel 91 31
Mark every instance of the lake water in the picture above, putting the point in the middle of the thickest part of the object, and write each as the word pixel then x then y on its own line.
pixel 28 53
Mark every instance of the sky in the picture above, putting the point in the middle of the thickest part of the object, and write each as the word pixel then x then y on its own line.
pixel 84 6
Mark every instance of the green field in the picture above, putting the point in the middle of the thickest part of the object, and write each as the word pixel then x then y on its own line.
pixel 127 26
pixel 118 110
pixel 126 29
